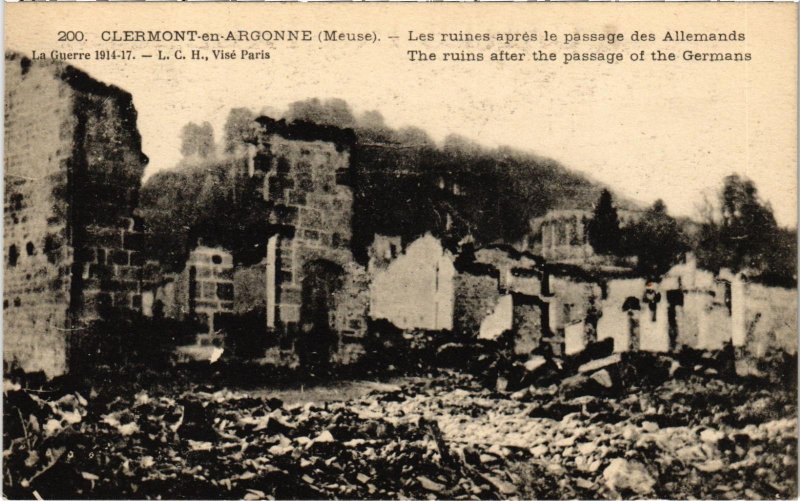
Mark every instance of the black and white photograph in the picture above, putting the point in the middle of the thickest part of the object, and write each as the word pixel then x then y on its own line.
pixel 409 251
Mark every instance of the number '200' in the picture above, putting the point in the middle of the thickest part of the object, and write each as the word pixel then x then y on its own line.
pixel 70 36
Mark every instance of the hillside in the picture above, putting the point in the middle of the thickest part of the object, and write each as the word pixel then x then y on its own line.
pixel 459 189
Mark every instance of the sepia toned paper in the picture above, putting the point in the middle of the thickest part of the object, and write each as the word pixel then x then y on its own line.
pixel 446 250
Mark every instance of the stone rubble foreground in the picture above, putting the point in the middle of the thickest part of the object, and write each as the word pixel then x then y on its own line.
pixel 443 436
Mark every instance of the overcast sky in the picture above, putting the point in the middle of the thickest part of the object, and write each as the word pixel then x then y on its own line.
pixel 649 130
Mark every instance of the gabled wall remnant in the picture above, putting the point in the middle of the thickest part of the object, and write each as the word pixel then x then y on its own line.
pixel 73 164
pixel 416 290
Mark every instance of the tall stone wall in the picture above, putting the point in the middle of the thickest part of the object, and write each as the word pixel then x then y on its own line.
pixel 73 164
pixel 311 278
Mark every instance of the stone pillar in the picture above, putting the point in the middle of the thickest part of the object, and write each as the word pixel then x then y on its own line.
pixel 634 332
pixel 738 309
pixel 271 272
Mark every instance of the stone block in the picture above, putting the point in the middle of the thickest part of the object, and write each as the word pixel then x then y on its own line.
pixel 132 241
pixel 120 257
pixel 600 363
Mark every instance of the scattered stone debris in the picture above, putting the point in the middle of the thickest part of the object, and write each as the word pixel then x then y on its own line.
pixel 441 436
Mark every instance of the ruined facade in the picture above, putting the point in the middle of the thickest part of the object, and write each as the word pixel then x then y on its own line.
pixel 73 165
pixel 476 297
pixel 693 308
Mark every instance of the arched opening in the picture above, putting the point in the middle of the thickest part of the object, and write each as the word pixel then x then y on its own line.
pixel 30 249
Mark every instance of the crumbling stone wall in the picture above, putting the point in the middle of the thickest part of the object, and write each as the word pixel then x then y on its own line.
pixel 73 164
pixel 770 318
pixel 517 269
pixel 574 297
pixel 352 303
pixel 524 316
pixel 528 323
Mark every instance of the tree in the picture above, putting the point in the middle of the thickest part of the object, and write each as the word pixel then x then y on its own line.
pixel 604 233
pixel 329 112
pixel 740 233
pixel 656 240
pixel 206 202
pixel 197 140
pixel 747 225
pixel 239 128
pixel 414 137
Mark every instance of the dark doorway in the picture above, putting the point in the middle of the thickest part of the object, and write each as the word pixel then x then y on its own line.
pixel 317 337
pixel 192 290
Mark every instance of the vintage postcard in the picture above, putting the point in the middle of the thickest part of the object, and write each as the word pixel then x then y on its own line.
pixel 400 251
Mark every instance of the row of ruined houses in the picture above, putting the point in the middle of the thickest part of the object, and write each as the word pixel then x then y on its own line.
pixel 73 252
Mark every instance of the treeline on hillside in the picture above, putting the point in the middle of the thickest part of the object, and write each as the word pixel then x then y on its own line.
pixel 404 184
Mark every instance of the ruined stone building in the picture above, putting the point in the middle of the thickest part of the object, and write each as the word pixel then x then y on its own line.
pixel 307 291
pixel 73 165
pixel 525 303
pixel 478 294
pixel 313 289
pixel 562 235
pixel 693 308
pixel 500 289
